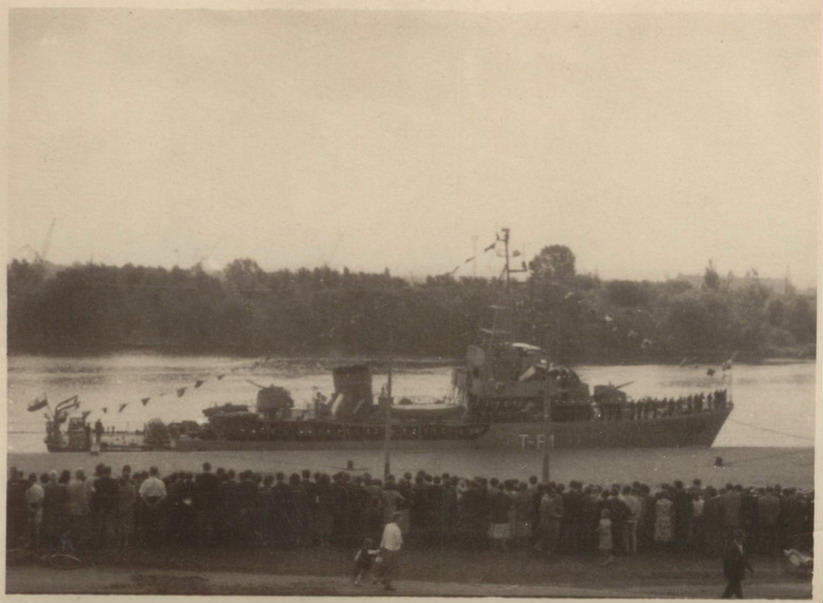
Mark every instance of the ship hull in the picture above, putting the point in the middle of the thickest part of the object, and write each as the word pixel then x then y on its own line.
pixel 690 430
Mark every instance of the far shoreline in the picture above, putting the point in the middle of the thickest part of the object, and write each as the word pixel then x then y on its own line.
pixel 383 359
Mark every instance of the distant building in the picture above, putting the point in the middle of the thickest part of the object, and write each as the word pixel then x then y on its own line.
pixel 777 285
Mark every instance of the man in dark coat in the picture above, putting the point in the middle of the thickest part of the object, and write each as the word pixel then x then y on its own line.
pixel 735 564
pixel 713 515
pixel 206 504
pixel 16 512
pixel 683 511
pixel 106 494
pixel 310 512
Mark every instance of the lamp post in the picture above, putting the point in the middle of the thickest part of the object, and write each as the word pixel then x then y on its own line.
pixel 547 417
pixel 387 399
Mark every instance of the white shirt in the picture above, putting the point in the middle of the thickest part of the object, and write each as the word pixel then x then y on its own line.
pixel 35 494
pixel 152 486
pixel 633 503
pixel 392 538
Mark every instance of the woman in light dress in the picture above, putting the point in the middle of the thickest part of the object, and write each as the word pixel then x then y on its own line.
pixel 663 519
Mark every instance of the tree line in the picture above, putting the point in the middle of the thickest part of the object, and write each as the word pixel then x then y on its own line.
pixel 244 310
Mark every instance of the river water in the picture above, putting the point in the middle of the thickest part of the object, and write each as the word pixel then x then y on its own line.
pixel 774 403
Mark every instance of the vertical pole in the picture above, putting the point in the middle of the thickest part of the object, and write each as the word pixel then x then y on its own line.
pixel 474 256
pixel 546 427
pixel 387 429
pixel 506 247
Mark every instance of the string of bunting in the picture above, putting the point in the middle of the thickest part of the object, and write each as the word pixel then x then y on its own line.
pixel 486 249
pixel 64 406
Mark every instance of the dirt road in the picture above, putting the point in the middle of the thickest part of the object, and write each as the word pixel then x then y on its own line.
pixel 108 580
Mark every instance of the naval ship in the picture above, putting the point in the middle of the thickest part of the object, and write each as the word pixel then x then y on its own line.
pixel 505 394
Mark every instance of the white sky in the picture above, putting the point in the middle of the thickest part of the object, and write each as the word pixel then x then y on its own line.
pixel 648 143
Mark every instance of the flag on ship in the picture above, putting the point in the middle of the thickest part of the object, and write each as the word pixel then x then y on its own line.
pixel 68 403
pixel 39 402
pixel 145 400
pixel 181 391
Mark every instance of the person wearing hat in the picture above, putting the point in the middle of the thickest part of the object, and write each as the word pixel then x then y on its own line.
pixel 390 546
pixel 735 563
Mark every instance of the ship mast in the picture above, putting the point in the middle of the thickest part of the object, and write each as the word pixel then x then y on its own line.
pixel 507 306
pixel 547 388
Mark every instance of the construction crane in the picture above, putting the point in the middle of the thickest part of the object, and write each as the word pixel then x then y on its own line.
pixel 40 256
pixel 44 250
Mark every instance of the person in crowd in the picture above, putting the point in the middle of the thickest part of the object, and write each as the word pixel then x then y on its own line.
pixel 551 514
pixel 55 501
pixel 225 527
pixel 731 509
pixel 16 513
pixel 645 525
pixel 280 511
pixel 619 515
pixel 697 542
pixel 104 502
pixel 126 504
pixel 63 524
pixel 682 509
pixel 795 511
pixel 523 505
pixel 633 505
pixel 390 545
pixel 713 514
pixel 500 528
pixel 297 511
pixel 309 536
pixel 663 532
pixel 748 515
pixel 604 537
pixel 325 515
pixel 570 524
pixel 364 560
pixel 152 495
pixel 245 502
pixel 34 504
pixel 206 495
pixel 735 564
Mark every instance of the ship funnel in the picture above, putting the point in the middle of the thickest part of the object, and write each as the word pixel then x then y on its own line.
pixel 353 393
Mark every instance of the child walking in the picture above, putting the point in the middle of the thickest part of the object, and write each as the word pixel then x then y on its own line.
pixel 363 560
pixel 604 532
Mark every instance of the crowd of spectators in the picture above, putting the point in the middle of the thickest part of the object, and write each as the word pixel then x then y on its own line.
pixel 73 512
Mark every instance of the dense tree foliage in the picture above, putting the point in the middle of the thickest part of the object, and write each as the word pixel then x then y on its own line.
pixel 553 262
pixel 246 310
